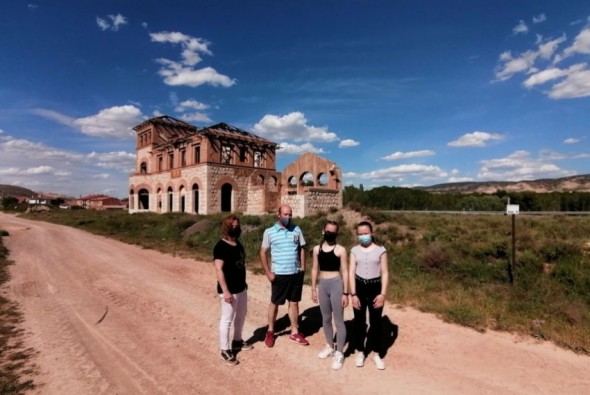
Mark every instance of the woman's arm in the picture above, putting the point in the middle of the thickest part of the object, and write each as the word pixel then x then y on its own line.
pixel 344 273
pixel 227 296
pixel 351 282
pixel 314 273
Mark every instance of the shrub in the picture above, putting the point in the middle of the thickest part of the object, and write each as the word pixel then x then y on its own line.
pixel 432 258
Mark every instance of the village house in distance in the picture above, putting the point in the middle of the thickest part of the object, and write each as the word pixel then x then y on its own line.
pixel 221 168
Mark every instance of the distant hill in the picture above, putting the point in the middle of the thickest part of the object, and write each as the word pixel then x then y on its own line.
pixel 580 183
pixel 16 191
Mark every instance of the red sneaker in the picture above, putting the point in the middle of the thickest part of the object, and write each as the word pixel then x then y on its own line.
pixel 269 339
pixel 299 339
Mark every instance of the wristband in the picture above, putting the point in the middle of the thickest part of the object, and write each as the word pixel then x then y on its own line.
pixel 353 295
pixel 345 293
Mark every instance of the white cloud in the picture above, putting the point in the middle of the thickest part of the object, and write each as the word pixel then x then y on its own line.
pixel 102 176
pixel 571 140
pixel 460 179
pixel 292 126
pixel 398 173
pixel 539 18
pixel 581 45
pixel 520 166
pixel 520 28
pixel 119 160
pixel 195 117
pixel 55 116
pixel 115 122
pixel 576 84
pixel 42 167
pixel 511 65
pixel 347 143
pixel 405 155
pixel 183 72
pixel 294 149
pixel 115 22
pixel 32 6
pixel 550 74
pixel 475 139
pixel 191 104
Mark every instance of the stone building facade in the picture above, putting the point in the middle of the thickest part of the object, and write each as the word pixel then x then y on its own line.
pixel 221 168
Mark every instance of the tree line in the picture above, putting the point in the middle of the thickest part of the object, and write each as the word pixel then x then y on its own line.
pixel 397 198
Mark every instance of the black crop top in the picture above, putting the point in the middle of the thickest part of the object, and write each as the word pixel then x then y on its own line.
pixel 328 261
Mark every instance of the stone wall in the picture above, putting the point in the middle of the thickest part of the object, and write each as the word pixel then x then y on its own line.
pixel 322 200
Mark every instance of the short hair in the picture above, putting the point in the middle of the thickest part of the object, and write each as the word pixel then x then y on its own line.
pixel 227 224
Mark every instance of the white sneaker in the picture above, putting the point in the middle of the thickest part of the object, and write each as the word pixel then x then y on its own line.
pixel 378 362
pixel 337 360
pixel 326 352
pixel 359 359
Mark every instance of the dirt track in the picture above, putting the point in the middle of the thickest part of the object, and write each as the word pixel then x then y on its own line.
pixel 159 334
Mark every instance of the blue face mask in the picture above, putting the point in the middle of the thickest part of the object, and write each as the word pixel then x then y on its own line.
pixel 285 221
pixel 365 239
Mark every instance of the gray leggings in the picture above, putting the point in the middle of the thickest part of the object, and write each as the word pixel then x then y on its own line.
pixel 330 296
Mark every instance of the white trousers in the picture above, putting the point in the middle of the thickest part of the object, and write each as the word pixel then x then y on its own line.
pixel 232 312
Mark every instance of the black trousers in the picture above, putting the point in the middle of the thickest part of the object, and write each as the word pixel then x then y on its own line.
pixel 367 292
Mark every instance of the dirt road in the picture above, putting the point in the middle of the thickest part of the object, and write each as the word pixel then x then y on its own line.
pixel 159 334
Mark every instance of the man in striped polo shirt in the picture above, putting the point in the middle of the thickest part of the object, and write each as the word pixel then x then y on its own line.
pixel 285 242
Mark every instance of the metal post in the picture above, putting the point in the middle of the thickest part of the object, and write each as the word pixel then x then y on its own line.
pixel 512 263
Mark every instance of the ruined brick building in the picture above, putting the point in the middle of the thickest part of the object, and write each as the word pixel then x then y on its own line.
pixel 221 168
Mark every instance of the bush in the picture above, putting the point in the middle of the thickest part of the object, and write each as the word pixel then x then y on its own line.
pixel 432 258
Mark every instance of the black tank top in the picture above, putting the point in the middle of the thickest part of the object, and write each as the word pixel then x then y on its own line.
pixel 328 261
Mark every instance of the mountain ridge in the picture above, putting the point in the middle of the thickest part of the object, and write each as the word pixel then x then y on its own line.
pixel 577 183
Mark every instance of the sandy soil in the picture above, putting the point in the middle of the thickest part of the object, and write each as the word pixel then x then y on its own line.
pixel 159 334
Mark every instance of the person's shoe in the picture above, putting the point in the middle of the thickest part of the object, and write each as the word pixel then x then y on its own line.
pixel 378 362
pixel 269 339
pixel 228 357
pixel 359 359
pixel 326 352
pixel 337 360
pixel 241 345
pixel 299 339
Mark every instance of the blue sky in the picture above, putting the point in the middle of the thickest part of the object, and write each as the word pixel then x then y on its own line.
pixel 402 93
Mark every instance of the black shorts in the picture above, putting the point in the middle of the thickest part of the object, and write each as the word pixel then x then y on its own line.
pixel 287 287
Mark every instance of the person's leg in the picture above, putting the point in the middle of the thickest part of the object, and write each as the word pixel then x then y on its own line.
pixel 336 291
pixel 374 333
pixel 294 292
pixel 272 316
pixel 241 301
pixel 326 309
pixel 227 316
pixel 360 319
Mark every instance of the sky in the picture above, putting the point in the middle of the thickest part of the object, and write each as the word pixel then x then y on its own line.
pixel 398 93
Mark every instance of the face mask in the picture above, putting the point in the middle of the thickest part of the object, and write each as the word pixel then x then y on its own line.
pixel 234 232
pixel 330 237
pixel 285 221
pixel 365 239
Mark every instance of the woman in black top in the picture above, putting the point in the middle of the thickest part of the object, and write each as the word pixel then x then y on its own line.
pixel 229 258
pixel 330 266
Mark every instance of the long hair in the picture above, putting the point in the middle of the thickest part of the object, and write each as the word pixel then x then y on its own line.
pixel 227 223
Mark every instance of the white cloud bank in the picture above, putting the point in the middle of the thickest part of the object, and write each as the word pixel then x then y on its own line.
pixel 521 166
pixel 541 65
pixel 405 155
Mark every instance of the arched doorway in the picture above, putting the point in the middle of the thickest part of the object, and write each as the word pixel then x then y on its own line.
pixel 182 202
pixel 196 198
pixel 144 199
pixel 170 199
pixel 226 192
